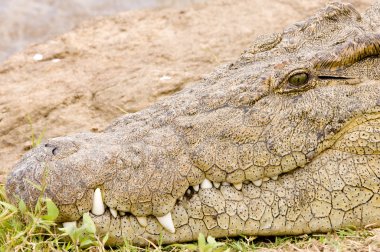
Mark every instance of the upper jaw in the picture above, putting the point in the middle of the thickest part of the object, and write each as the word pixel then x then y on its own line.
pixel 54 166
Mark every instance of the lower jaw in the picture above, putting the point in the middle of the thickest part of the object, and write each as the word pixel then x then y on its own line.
pixel 314 199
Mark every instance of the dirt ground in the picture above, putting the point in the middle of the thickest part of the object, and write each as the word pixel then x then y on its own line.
pixel 124 63
pixel 24 22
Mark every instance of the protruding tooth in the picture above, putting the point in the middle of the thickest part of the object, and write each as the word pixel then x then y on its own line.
pixel 225 183
pixel 167 222
pixel 113 212
pixel 274 177
pixel 70 224
pixel 122 213
pixel 265 179
pixel 196 188
pixel 238 186
pixel 188 191
pixel 258 182
pixel 97 203
pixel 206 184
pixel 216 184
pixel 142 220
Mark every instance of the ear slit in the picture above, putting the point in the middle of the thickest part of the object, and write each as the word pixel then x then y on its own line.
pixel 326 77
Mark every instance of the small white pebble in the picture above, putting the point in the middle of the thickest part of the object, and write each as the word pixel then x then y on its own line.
pixel 55 60
pixel 165 78
pixel 38 57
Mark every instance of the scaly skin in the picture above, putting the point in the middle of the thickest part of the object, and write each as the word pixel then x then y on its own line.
pixel 301 107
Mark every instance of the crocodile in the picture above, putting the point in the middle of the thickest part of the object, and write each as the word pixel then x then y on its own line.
pixel 283 141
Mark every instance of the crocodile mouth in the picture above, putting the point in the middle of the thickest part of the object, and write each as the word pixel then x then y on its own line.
pixel 208 192
pixel 99 208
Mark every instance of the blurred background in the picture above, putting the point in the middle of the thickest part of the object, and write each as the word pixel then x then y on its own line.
pixel 31 21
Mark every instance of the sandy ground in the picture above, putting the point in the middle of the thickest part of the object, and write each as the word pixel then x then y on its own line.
pixel 32 21
pixel 124 63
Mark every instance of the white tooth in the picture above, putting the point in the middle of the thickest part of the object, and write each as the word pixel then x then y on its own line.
pixel 216 184
pixel 167 222
pixel 113 212
pixel 206 184
pixel 196 188
pixel 70 224
pixel 188 191
pixel 258 182
pixel 265 179
pixel 97 203
pixel 238 186
pixel 142 220
pixel 225 183
pixel 122 213
pixel 274 177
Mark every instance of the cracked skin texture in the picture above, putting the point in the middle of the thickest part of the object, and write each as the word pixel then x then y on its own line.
pixel 303 105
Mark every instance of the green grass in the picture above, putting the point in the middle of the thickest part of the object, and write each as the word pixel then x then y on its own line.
pixel 34 139
pixel 23 229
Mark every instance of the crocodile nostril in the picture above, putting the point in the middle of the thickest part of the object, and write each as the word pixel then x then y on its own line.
pixel 54 151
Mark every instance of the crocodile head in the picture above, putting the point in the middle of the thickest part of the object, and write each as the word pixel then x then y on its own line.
pixel 286 140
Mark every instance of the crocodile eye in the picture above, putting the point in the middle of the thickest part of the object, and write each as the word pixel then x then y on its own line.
pixel 298 79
